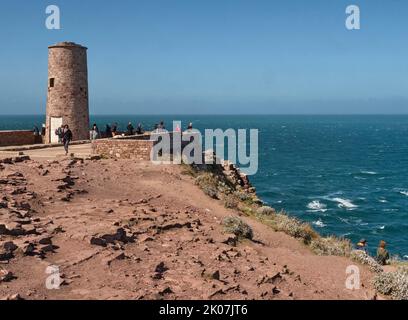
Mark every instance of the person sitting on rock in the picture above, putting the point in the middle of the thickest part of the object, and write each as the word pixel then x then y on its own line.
pixel 382 253
pixel 362 245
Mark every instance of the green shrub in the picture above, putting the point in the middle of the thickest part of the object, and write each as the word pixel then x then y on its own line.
pixel 331 246
pixel 238 227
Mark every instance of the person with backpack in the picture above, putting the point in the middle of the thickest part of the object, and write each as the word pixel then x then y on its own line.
pixel 66 138
pixel 60 133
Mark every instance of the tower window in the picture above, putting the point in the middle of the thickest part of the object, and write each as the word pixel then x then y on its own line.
pixel 52 82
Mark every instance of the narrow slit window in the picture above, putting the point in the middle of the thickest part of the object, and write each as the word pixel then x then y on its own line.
pixel 52 82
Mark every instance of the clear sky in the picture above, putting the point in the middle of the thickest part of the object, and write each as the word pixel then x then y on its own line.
pixel 213 56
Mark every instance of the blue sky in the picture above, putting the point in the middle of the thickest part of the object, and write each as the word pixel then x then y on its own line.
pixel 213 56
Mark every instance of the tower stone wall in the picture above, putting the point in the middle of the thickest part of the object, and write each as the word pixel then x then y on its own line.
pixel 67 99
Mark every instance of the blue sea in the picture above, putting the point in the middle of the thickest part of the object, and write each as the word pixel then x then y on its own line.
pixel 346 175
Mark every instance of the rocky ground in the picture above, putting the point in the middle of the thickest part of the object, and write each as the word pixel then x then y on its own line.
pixel 127 230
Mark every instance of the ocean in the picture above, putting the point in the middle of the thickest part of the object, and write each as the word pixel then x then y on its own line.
pixel 346 175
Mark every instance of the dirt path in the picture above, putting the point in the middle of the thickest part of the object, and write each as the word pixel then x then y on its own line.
pixel 126 230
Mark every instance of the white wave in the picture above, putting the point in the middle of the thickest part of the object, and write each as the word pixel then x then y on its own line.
pixel 405 256
pixel 381 227
pixel 316 205
pixel 383 200
pixel 404 192
pixel 368 172
pixel 345 203
pixel 319 223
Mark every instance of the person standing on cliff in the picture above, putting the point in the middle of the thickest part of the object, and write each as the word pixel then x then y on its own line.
pixel 114 129
pixel 94 132
pixel 130 129
pixel 139 129
pixel 108 131
pixel 382 253
pixel 67 138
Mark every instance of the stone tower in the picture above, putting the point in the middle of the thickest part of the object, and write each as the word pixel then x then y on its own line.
pixel 67 99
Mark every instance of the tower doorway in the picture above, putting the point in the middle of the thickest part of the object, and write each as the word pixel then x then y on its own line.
pixel 55 123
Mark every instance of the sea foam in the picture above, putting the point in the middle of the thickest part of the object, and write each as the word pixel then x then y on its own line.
pixel 316 205
pixel 345 203
pixel 319 223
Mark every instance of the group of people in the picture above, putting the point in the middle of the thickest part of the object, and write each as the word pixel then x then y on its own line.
pixel 112 130
pixel 65 134
pixel 382 253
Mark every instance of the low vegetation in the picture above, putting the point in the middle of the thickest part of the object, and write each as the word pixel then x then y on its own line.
pixel 331 246
pixel 213 182
pixel 394 284
pixel 363 258
pixel 238 227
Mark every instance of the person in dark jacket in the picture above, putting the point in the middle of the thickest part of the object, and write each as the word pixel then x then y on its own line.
pixel 108 131
pixel 130 129
pixel 67 138
pixel 382 253
pixel 36 131
pixel 114 129
pixel 139 129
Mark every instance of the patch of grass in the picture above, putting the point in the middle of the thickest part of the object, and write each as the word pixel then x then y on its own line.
pixel 238 227
pixel 265 211
pixel 294 227
pixel 188 170
pixel 331 246
pixel 394 284
pixel 231 202
pixel 363 258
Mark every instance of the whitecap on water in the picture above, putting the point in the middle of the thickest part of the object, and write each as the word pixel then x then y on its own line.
pixel 368 172
pixel 381 227
pixel 382 200
pixel 404 192
pixel 316 205
pixel 319 223
pixel 345 203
